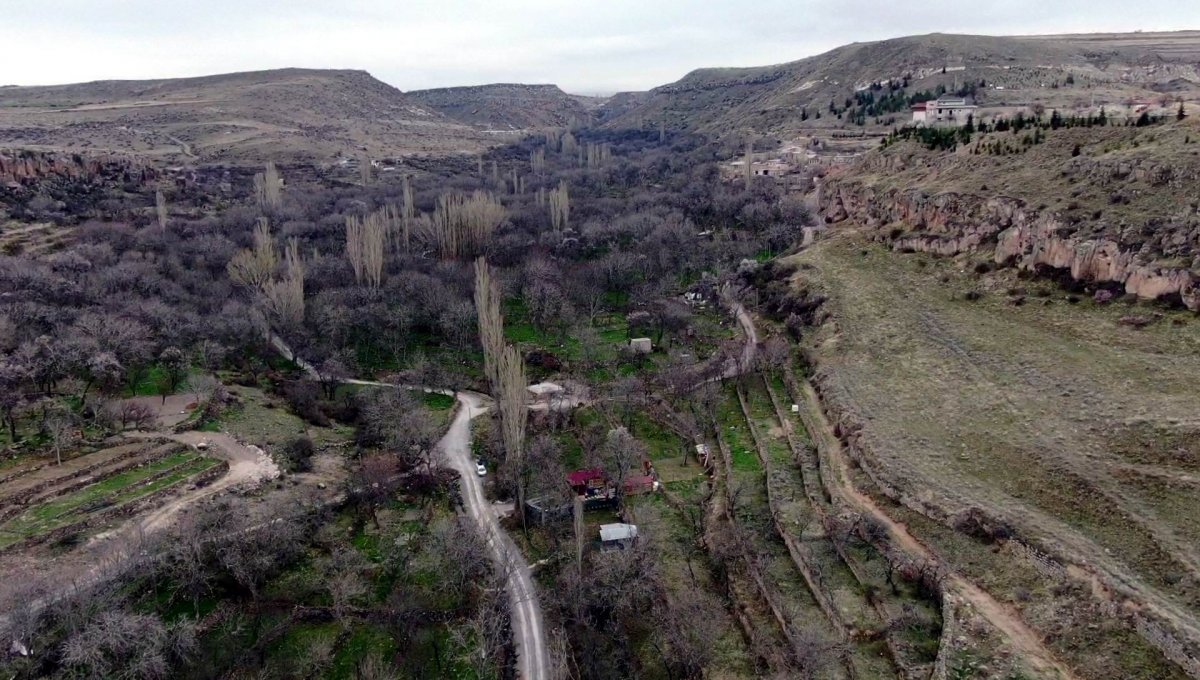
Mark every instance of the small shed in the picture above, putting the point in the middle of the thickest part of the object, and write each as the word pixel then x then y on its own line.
pixel 637 484
pixel 641 345
pixel 618 536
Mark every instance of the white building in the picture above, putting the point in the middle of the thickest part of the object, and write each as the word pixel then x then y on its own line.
pixel 617 535
pixel 943 111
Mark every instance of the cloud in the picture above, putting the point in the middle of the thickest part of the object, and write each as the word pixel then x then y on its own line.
pixel 609 46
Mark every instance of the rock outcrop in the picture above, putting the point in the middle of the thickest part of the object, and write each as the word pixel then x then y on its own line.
pixel 953 223
pixel 26 168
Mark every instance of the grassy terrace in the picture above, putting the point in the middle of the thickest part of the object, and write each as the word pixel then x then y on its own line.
pixel 835 580
pixel 116 490
pixel 753 514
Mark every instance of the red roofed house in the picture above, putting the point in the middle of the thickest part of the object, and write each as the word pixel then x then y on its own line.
pixel 588 482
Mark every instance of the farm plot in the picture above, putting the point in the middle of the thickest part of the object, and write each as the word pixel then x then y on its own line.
pixel 780 583
pixel 32 512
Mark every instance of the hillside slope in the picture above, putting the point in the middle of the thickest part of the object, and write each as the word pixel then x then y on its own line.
pixel 1062 71
pixel 288 114
pixel 507 107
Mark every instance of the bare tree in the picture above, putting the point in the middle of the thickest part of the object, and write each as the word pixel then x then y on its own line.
pixel 160 210
pixel 125 645
pixel 513 414
pixel 284 298
pixel 580 530
pixel 484 635
pixel 60 425
pixel 253 267
pixel 537 161
pixel 137 414
pixel 268 188
pixel 560 206
pixel 365 239
pixel 749 169
pixel 345 580
pixel 462 224
pixel 364 169
pixel 620 453
pixel 408 209
pixel 491 323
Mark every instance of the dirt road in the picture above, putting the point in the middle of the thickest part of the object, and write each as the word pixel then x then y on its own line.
pixel 528 633
pixel 1025 641
pixel 248 465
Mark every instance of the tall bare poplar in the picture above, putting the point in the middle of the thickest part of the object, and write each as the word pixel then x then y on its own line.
pixel 354 247
pixel 160 210
pixel 560 206
pixel 569 145
pixel 365 245
pixel 537 161
pixel 285 297
pixel 749 162
pixel 408 210
pixel 462 224
pixel 513 415
pixel 364 169
pixel 491 323
pixel 580 529
pixel 268 188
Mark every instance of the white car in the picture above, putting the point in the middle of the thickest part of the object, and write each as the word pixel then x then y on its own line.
pixel 480 468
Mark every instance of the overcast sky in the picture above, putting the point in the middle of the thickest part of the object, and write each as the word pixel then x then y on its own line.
pixel 586 46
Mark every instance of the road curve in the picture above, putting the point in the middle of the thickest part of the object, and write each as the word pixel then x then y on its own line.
pixel 528 630
pixel 529 635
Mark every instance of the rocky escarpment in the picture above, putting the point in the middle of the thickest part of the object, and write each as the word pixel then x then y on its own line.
pixel 37 185
pixel 23 168
pixel 952 223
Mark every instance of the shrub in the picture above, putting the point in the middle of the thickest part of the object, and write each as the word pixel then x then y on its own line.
pixel 297 455
pixel 301 396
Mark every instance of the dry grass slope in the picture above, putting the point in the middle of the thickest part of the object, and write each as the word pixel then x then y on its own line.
pixel 287 114
pixel 1078 431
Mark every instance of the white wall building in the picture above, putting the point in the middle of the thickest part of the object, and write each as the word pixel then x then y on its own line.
pixel 943 111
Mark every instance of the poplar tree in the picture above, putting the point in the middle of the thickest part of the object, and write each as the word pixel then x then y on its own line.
pixel 160 210
pixel 560 206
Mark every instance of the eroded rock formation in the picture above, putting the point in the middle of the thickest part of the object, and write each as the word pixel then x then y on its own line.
pixel 953 223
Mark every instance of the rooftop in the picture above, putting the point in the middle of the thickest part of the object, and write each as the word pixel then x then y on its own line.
pixel 618 532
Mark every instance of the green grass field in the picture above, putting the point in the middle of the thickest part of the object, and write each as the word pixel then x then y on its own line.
pixel 117 490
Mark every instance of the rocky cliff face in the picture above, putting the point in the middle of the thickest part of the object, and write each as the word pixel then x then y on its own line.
pixel 27 168
pixel 952 223
pixel 37 185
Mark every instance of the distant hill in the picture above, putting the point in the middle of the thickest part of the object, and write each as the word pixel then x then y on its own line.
pixel 1056 71
pixel 287 114
pixel 509 107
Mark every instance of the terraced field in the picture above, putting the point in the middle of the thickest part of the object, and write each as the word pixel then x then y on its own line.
pixel 40 502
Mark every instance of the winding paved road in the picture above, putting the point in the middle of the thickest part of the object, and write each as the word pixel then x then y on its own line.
pixel 528 632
